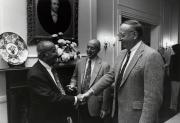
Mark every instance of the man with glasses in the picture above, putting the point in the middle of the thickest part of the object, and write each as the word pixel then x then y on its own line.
pixel 137 76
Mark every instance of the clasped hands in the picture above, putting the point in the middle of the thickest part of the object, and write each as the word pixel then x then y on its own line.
pixel 81 98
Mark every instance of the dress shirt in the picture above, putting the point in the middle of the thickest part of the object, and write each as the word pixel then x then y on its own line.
pixel 48 68
pixel 133 50
pixel 54 16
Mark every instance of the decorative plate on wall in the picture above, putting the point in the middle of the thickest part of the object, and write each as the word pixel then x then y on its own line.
pixel 13 48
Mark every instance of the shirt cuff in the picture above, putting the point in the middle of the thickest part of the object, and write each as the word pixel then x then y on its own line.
pixel 75 101
pixel 91 91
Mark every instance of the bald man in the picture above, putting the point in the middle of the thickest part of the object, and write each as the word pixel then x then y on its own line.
pixel 87 72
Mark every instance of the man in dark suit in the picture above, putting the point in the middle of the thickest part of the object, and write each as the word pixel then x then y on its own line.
pixel 96 107
pixel 48 100
pixel 54 15
pixel 137 76
pixel 174 70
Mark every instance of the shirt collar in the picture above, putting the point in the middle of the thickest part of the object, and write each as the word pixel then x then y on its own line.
pixel 53 13
pixel 136 46
pixel 94 59
pixel 45 65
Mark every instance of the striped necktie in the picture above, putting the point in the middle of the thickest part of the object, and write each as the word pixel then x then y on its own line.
pixel 123 68
pixel 119 79
pixel 87 77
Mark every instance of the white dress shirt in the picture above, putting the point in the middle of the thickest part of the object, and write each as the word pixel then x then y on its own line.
pixel 133 50
pixel 54 16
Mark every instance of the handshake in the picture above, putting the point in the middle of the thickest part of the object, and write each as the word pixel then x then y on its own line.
pixel 81 98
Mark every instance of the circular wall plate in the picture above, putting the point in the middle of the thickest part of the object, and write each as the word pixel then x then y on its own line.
pixel 13 48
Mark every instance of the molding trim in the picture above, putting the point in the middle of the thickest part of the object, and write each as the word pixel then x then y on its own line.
pixel 93 19
pixel 3 99
pixel 138 14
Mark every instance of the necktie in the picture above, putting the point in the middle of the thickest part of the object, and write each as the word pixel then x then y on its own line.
pixel 58 82
pixel 119 81
pixel 87 77
pixel 122 70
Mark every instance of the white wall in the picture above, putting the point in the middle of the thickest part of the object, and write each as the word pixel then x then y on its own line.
pixel 84 24
pixel 105 28
pixel 170 22
pixel 13 17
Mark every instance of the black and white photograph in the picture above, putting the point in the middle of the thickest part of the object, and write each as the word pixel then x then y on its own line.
pixel 89 61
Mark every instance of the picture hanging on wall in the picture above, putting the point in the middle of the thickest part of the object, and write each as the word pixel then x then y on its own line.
pixel 48 17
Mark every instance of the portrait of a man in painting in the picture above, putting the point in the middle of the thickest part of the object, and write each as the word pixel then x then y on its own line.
pixel 54 15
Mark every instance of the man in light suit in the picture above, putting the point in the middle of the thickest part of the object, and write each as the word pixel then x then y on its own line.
pixel 138 81
pixel 48 100
pixel 96 107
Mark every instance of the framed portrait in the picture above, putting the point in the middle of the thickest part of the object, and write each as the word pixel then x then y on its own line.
pixel 48 17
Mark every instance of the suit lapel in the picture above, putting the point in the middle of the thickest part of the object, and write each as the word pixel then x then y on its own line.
pixel 46 73
pixel 95 71
pixel 133 62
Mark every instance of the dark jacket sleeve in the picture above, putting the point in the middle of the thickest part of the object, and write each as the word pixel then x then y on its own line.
pixel 45 93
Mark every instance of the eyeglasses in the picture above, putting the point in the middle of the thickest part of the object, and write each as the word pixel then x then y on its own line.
pixel 91 48
pixel 124 34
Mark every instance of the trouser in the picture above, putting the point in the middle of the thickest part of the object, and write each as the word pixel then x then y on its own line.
pixel 84 116
pixel 175 87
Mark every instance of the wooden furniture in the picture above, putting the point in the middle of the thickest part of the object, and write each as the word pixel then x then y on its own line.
pixel 17 94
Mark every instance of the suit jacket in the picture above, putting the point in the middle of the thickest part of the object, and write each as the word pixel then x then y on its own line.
pixel 174 67
pixel 101 101
pixel 139 95
pixel 47 104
